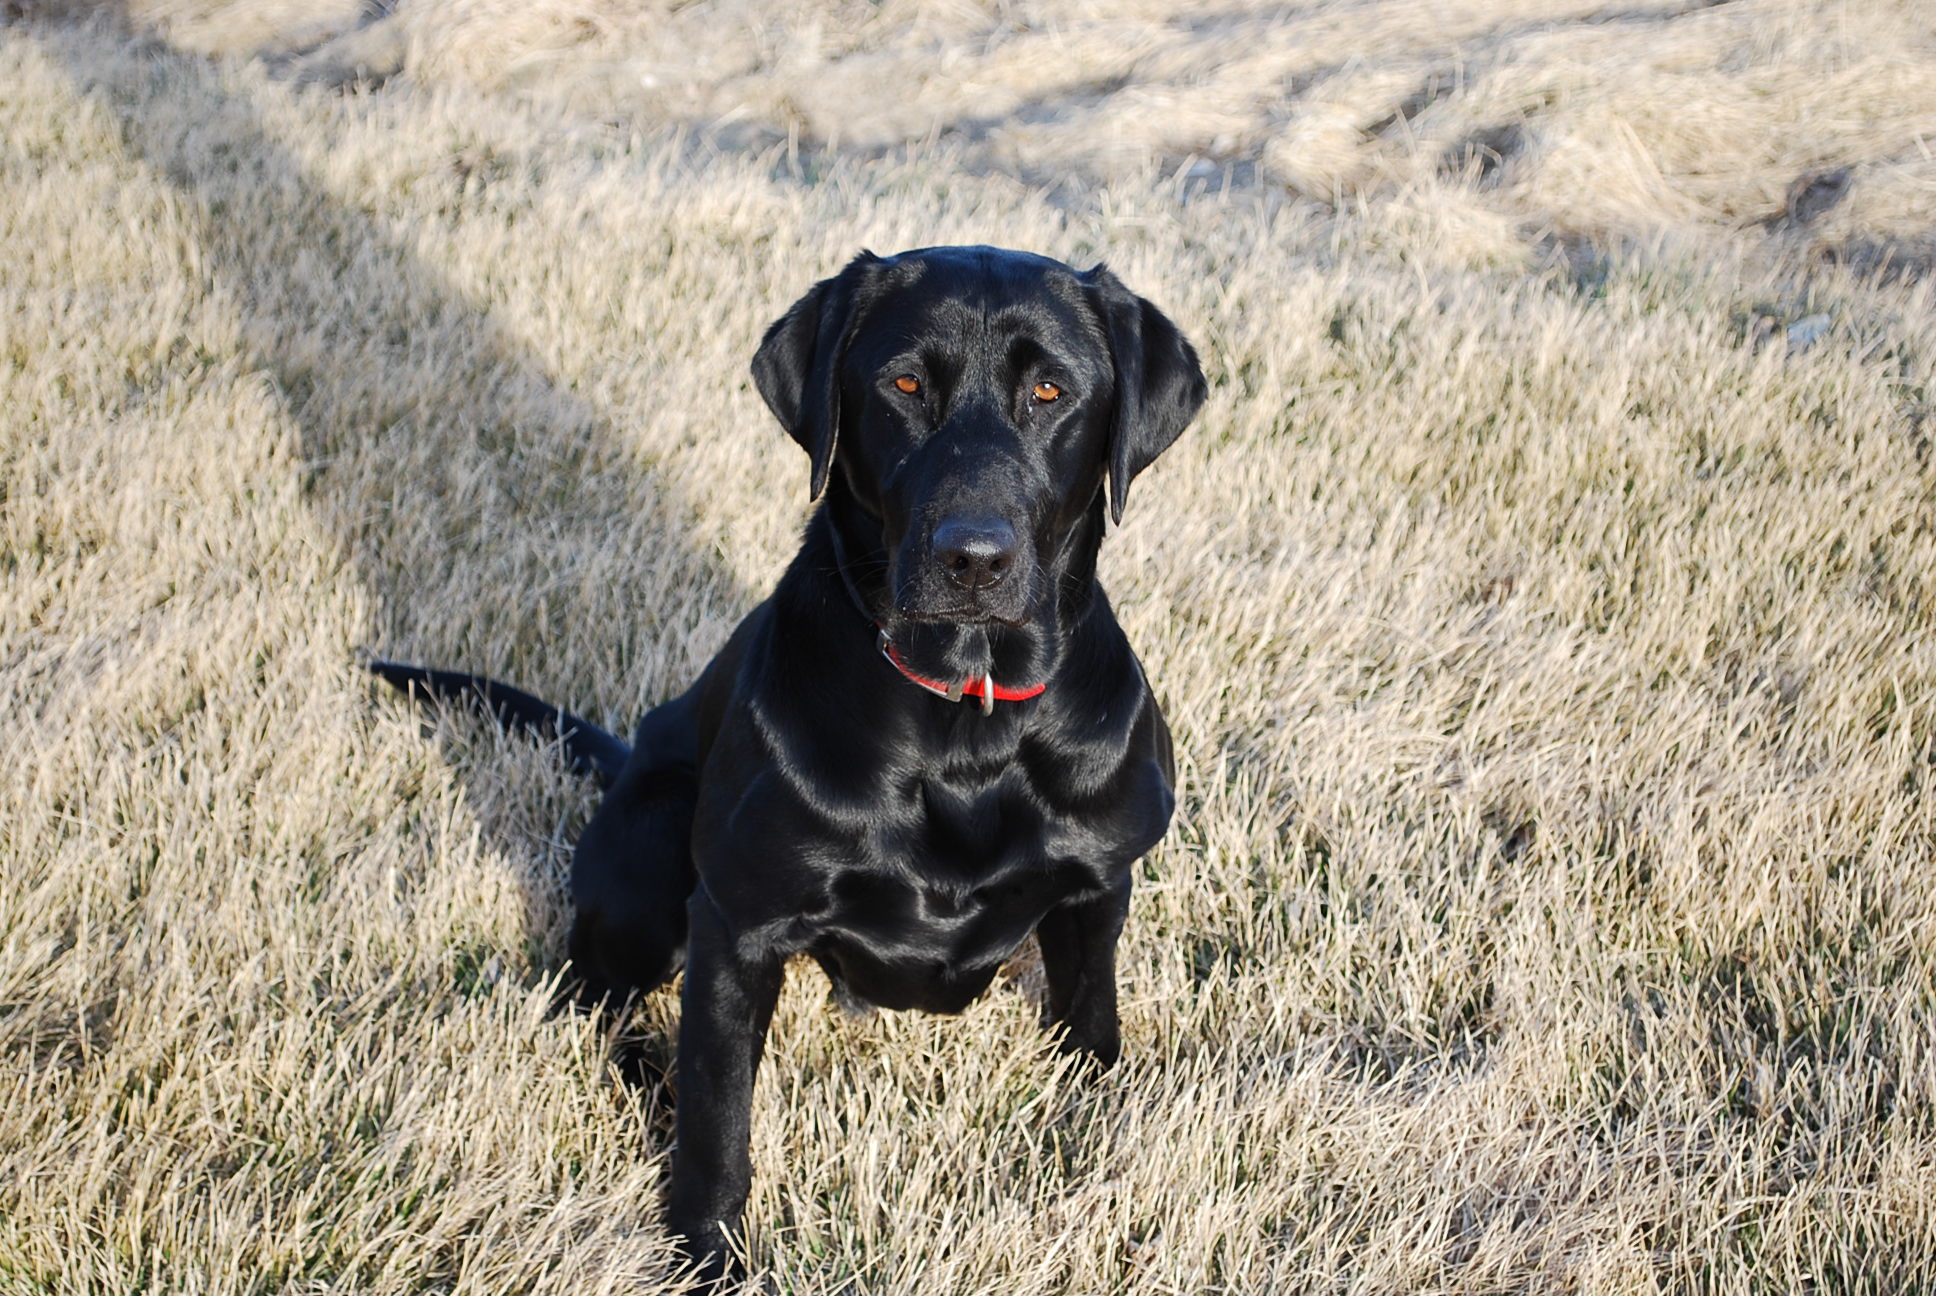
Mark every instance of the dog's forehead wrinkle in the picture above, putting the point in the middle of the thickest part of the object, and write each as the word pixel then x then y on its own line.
pixel 1025 352
pixel 974 302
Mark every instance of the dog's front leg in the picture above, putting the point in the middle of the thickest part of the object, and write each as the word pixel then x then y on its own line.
pixel 1078 943
pixel 725 1008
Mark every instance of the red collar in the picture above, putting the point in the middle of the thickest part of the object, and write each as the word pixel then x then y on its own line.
pixel 984 688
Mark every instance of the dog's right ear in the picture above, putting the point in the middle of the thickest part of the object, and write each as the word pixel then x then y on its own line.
pixel 797 367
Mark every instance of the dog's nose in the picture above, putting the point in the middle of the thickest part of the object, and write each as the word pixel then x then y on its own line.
pixel 975 552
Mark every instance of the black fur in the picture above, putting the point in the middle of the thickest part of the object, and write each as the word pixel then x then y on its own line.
pixel 803 797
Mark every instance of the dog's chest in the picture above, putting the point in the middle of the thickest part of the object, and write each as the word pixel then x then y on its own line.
pixel 965 856
pixel 930 903
pixel 899 940
pixel 913 863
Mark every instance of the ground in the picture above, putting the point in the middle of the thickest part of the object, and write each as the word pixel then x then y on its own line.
pixel 1543 603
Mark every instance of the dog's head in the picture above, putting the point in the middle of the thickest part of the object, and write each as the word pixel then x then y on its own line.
pixel 972 403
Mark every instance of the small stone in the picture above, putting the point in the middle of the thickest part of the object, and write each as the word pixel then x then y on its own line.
pixel 1806 332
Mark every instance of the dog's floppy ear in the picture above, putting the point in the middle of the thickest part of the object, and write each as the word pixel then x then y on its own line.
pixel 797 367
pixel 1159 384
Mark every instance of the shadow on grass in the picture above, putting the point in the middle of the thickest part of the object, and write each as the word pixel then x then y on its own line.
pixel 445 461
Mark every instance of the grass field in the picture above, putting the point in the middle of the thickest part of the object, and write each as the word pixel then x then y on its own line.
pixel 1545 603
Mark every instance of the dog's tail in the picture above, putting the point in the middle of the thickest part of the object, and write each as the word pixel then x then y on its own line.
pixel 590 749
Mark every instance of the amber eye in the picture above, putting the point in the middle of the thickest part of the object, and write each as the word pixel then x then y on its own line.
pixel 1047 391
pixel 908 383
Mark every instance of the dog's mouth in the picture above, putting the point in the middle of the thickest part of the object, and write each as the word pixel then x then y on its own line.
pixel 946 633
pixel 931 602
pixel 961 617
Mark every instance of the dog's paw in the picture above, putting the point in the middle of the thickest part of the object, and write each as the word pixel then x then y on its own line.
pixel 1094 1056
pixel 715 1265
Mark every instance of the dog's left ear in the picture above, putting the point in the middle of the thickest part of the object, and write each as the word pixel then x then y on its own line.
pixel 1159 384
pixel 797 367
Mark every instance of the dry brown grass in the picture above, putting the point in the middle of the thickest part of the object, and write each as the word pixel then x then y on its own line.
pixel 1548 637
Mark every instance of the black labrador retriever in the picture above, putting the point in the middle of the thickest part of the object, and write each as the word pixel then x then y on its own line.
pixel 933 739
